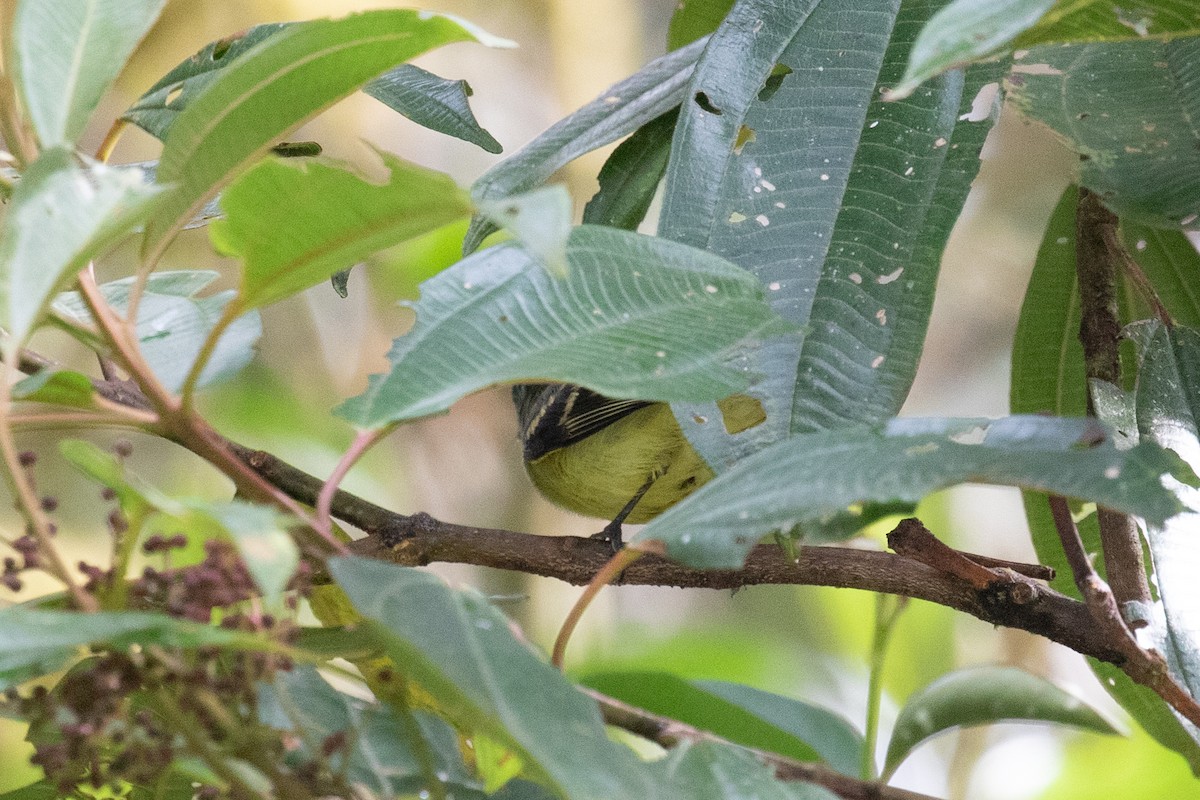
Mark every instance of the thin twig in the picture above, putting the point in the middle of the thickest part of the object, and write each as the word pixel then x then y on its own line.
pixel 603 577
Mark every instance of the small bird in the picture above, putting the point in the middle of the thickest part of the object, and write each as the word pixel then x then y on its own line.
pixel 621 460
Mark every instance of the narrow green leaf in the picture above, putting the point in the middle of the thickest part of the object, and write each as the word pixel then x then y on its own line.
pixel 1171 262
pixel 630 176
pixel 695 18
pixel 1048 377
pixel 34 642
pixel 462 651
pixel 810 477
pixel 540 220
pixel 740 714
pixel 62 387
pixel 61 216
pixel 284 80
pixel 1102 20
pixel 160 106
pixel 966 31
pixel 981 696
pixel 433 102
pixel 1129 110
pixel 623 108
pixel 712 771
pixel 636 317
pixel 1168 413
pixel 173 323
pixel 332 219
pixel 67 53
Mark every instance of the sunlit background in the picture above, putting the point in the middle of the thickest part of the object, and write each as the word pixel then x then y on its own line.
pixel 465 467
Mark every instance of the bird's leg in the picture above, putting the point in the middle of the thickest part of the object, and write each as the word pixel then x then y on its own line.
pixel 612 531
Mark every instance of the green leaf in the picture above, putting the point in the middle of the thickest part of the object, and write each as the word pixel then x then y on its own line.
pixel 810 477
pixel 35 642
pixel 981 696
pixel 1128 109
pixel 281 82
pixel 173 323
pixel 966 31
pixel 740 714
pixel 1168 413
pixel 1048 376
pixel 623 108
pixel 381 752
pixel 62 387
pixel 712 771
pixel 695 18
pixel 630 176
pixel 462 651
pixel 42 790
pixel 157 109
pixel 970 30
pixel 332 219
pixel 1171 262
pixel 433 102
pixel 540 220
pixel 787 161
pixel 61 216
pixel 67 53
pixel 636 316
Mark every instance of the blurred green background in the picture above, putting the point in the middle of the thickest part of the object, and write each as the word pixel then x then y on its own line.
pixel 465 467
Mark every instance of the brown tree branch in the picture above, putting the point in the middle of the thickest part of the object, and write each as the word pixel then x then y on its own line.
pixel 668 733
pixel 1098 257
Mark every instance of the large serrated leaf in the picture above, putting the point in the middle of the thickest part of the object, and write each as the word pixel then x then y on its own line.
pixel 811 477
pixel 67 53
pixel 622 109
pixel 635 317
pixel 1129 110
pixel 61 216
pixel 282 81
pixel 332 220
pixel 461 650
pixel 789 163
pixel 981 696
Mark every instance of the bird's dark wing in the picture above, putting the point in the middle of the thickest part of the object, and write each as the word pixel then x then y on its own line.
pixel 555 415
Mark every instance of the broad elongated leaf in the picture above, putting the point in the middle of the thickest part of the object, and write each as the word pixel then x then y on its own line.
pixel 380 753
pixel 173 323
pixel 1172 264
pixel 433 102
pixel 630 176
pixel 712 771
pixel 814 476
pixel 67 53
pixel 740 714
pixel 968 30
pixel 462 651
pixel 781 162
pixel 287 78
pixel 980 696
pixel 621 110
pixel 1129 109
pixel 635 317
pixel 1168 413
pixel 332 219
pixel 61 216
pixel 35 642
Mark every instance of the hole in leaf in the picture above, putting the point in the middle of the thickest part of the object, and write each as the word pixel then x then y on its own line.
pixel 774 81
pixel 703 101
pixel 221 47
pixel 741 413
pixel 745 136
pixel 173 94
